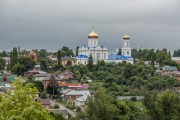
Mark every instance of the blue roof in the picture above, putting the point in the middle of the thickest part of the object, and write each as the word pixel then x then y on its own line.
pixel 82 56
pixel 118 57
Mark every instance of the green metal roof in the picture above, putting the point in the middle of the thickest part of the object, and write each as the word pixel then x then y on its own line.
pixel 9 78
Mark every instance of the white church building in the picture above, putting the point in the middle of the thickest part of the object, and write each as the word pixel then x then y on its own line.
pixel 99 52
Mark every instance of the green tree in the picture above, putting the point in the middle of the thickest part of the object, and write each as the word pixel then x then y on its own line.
pixel 27 62
pixel 119 51
pixel 13 57
pixel 3 54
pixel 18 69
pixel 101 108
pixel 43 64
pixel 77 49
pixel 59 56
pixel 2 63
pixel 42 54
pixel 21 104
pixel 163 106
pixel 90 63
pixel 176 53
pixel 65 51
pixel 52 87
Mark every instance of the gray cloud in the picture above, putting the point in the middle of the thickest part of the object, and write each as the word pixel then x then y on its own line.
pixel 52 24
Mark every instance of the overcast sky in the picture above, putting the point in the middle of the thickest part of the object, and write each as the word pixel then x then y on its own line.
pixel 51 24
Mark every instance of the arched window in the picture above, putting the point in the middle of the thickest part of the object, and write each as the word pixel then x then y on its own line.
pixel 127 52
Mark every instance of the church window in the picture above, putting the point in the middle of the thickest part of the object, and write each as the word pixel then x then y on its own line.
pixel 123 52
pixel 104 55
pixel 98 55
pixel 127 52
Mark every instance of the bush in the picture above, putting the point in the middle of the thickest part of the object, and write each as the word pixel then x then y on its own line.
pixel 133 98
pixel 56 106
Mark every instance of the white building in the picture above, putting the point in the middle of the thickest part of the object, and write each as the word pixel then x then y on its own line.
pixel 101 53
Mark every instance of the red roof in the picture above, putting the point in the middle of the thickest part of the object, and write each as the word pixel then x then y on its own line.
pixel 70 85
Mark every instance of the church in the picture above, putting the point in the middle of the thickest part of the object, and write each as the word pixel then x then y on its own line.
pixel 101 53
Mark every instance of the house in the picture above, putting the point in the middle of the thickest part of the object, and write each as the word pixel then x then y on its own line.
pixel 70 86
pixel 35 72
pixel 50 77
pixel 6 78
pixel 176 59
pixel 168 70
pixel 67 74
pixel 45 102
pixel 73 95
pixel 176 75
pixel 40 77
pixel 68 60
pixel 81 100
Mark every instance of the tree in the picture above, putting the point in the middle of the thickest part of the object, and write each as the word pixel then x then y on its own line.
pixel 43 64
pixel 2 63
pixel 65 51
pixel 42 54
pixel 18 69
pixel 21 104
pixel 3 54
pixel 77 49
pixel 119 51
pixel 27 62
pixel 176 53
pixel 13 57
pixel 59 56
pixel 90 63
pixel 52 87
pixel 101 108
pixel 163 106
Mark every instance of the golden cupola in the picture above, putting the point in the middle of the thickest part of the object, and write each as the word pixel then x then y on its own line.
pixel 92 35
pixel 126 37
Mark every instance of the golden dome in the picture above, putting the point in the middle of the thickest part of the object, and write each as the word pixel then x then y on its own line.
pixel 92 35
pixel 126 37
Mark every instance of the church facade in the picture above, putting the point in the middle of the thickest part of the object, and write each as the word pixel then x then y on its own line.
pixel 101 53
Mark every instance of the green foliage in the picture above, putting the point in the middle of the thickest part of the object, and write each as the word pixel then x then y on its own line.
pixel 164 105
pixel 52 87
pixel 101 108
pixel 57 116
pixel 27 62
pixel 65 51
pixel 43 64
pixel 90 63
pixel 2 63
pixel 119 51
pixel 3 54
pixel 20 104
pixel 24 64
pixel 56 106
pixel 18 69
pixel 59 56
pixel 13 57
pixel 77 48
pixel 42 54
pixel 176 53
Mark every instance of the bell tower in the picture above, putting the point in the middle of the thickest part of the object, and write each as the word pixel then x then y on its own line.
pixel 126 49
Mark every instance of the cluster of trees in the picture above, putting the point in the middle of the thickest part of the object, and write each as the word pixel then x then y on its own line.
pixel 20 64
pixel 176 53
pixel 21 104
pixel 125 78
pixel 155 106
pixel 163 57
